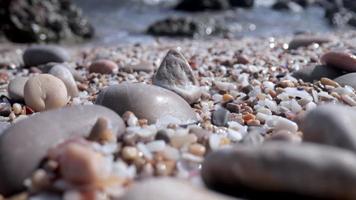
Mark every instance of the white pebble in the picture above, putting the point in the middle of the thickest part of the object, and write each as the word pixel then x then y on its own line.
pixel 156 146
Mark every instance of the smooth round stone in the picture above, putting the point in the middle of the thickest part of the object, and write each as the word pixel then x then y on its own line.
pixel 153 103
pixel 175 74
pixel 16 88
pixel 332 125
pixel 280 170
pixel 347 79
pixel 315 73
pixel 170 188
pixel 304 41
pixel 66 76
pixel 103 67
pixel 25 143
pixel 341 60
pixel 44 92
pixel 42 54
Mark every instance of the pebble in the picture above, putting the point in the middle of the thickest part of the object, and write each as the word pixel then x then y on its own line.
pixel 37 133
pixel 129 153
pixel 172 189
pixel 16 88
pixel 66 76
pixel 304 41
pixel 44 92
pixel 347 79
pixel 220 117
pixel 101 131
pixel 340 60
pixel 178 141
pixel 315 73
pixel 253 138
pixel 284 135
pixel 278 170
pixel 103 67
pixel 197 149
pixel 153 103
pixel 142 66
pixel 337 128
pixel 326 81
pixel 175 74
pixel 17 108
pixel 43 54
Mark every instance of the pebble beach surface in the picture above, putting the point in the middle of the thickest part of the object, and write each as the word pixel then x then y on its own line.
pixel 188 119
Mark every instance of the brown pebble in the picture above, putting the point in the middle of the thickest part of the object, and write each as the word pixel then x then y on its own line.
pixel 103 67
pixel 197 149
pixel 101 131
pixel 326 81
pixel 242 59
pixel 178 141
pixel 341 60
pixel 129 153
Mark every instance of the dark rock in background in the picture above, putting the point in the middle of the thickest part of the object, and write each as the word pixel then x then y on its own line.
pixel 34 21
pixel 202 5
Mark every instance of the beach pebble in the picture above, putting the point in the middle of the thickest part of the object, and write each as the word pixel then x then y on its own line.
pixel 341 60
pixel 175 74
pixel 103 67
pixel 253 138
pixel 304 41
pixel 315 73
pixel 142 66
pixel 284 135
pixel 37 133
pixel 279 170
pixel 153 103
pixel 66 76
pixel 43 54
pixel 347 79
pixel 337 128
pixel 44 92
pixel 16 88
pixel 170 188
pixel 220 117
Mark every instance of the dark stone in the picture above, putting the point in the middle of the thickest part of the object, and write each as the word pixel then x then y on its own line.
pixel 162 135
pixel 149 102
pixel 186 27
pixel 25 143
pixel 220 117
pixel 33 21
pixel 285 5
pixel 43 54
pixel 315 73
pixel 304 41
pixel 280 170
pixel 202 5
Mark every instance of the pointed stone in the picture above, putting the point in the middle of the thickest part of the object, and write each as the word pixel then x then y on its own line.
pixel 175 74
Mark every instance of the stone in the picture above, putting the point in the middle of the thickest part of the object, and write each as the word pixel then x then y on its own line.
pixel 280 170
pixel 43 54
pixel 37 133
pixel 142 66
pixel 175 74
pixel 153 103
pixel 340 60
pixel 16 88
pixel 3 127
pixel 315 73
pixel 47 67
pixel 66 76
pixel 337 127
pixel 170 188
pixel 285 136
pixel 103 67
pixel 220 117
pixel 285 5
pixel 304 41
pixel 253 138
pixel 203 5
pixel 44 92
pixel 347 79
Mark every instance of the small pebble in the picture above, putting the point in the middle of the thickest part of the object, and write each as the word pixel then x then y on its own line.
pixel 103 67
pixel 129 153
pixel 341 60
pixel 220 117
pixel 197 149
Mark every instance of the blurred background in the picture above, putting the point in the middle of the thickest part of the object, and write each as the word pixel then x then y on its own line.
pixel 108 22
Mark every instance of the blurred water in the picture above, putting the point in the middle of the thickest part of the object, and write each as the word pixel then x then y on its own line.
pixel 125 21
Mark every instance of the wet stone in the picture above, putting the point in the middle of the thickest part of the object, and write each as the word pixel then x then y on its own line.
pixel 41 54
pixel 175 74
pixel 153 103
pixel 280 170
pixel 37 133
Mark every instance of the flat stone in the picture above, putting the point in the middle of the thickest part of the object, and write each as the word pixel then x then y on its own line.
pixel 103 66
pixel 175 74
pixel 220 117
pixel 280 170
pixel 304 41
pixel 150 102
pixel 16 88
pixel 315 73
pixel 170 188
pixel 340 60
pixel 332 125
pixel 44 92
pixel 347 79
pixel 66 76
pixel 142 66
pixel 25 143
pixel 43 54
